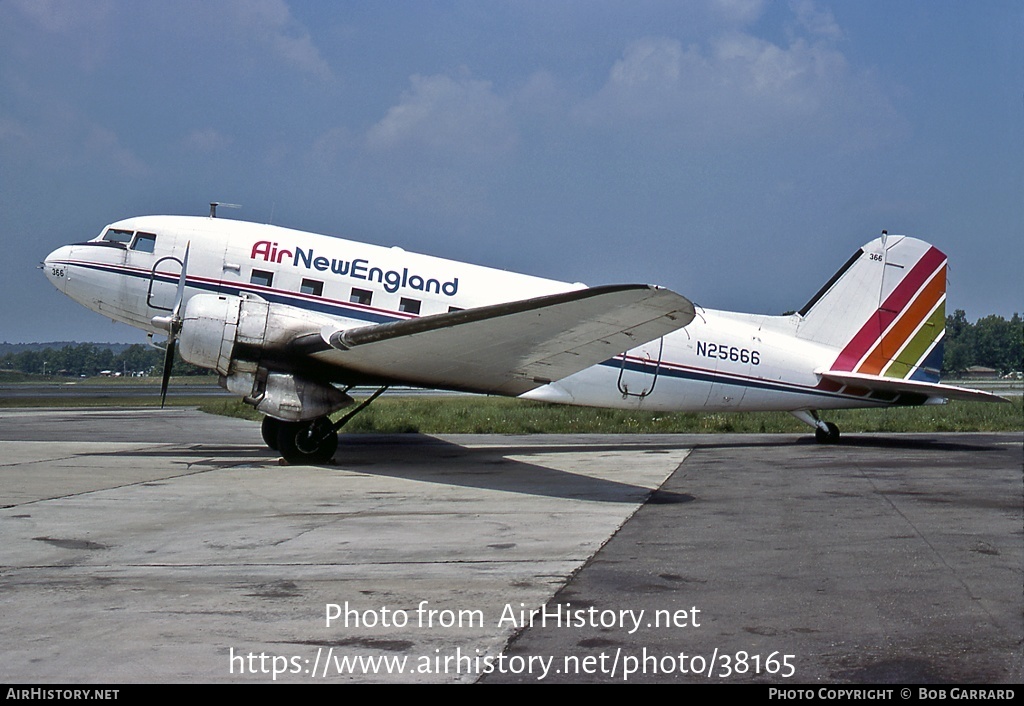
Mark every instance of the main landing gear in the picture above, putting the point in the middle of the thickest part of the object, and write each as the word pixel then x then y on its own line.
pixel 824 432
pixel 301 443
pixel 313 441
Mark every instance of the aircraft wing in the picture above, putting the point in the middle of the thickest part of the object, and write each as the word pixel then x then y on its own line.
pixel 513 347
pixel 878 382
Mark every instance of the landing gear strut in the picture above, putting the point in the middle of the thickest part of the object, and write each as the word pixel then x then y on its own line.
pixel 313 441
pixel 824 432
pixel 828 435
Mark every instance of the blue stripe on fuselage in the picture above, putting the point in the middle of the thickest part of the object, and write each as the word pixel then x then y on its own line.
pixel 271 295
pixel 664 369
pixel 667 369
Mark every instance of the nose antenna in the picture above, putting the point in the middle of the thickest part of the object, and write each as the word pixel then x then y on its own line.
pixel 215 204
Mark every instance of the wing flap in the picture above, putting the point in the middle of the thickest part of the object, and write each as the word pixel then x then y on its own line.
pixel 513 347
pixel 886 384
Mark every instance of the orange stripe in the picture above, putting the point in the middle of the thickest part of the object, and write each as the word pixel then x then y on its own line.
pixel 913 315
pixel 867 336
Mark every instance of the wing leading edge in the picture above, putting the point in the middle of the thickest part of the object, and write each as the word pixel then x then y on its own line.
pixel 513 347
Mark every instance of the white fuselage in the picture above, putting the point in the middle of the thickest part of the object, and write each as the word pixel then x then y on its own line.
pixel 721 361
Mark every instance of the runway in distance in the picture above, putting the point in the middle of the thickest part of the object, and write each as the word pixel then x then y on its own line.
pixel 292 321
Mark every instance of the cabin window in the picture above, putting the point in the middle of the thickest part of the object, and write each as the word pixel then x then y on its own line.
pixel 115 235
pixel 262 278
pixel 312 286
pixel 455 308
pixel 361 296
pixel 144 242
pixel 409 306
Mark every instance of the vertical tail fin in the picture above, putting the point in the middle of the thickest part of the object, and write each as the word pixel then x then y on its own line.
pixel 885 310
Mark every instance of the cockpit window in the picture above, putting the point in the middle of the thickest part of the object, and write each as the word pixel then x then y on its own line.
pixel 114 235
pixel 144 242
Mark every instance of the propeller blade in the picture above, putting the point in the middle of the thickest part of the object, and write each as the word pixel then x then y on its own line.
pixel 179 295
pixel 168 364
pixel 174 326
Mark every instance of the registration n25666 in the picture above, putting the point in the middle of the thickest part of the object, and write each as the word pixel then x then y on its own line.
pixel 734 354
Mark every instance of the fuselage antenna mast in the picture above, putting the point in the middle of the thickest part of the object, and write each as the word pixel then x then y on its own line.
pixel 215 204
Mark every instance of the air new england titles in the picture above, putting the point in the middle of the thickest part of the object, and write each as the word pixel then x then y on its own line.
pixel 358 268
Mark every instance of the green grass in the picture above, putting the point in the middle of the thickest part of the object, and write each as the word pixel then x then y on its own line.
pixel 497 415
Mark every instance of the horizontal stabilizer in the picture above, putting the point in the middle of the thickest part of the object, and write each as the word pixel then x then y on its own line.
pixel 887 384
pixel 513 347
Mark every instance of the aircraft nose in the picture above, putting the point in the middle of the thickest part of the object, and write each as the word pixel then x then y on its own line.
pixel 55 266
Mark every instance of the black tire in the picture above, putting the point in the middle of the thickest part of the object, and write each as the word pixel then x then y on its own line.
pixel 270 429
pixel 827 437
pixel 305 443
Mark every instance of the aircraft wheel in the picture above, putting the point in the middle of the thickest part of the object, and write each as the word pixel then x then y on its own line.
pixel 827 437
pixel 270 429
pixel 302 443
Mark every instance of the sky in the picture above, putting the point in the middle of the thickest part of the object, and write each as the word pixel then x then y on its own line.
pixel 736 151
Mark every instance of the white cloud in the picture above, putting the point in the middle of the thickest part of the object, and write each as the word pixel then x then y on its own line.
pixel 60 27
pixel 263 27
pixel 103 144
pixel 739 11
pixel 205 140
pixel 738 86
pixel 442 115
pixel 649 64
pixel 821 23
pixel 271 23
pixel 64 16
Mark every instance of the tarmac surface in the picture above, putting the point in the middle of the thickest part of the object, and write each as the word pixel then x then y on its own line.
pixel 172 546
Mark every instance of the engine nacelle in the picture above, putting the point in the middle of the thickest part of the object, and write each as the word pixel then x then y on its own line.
pixel 218 330
pixel 209 329
pixel 285 395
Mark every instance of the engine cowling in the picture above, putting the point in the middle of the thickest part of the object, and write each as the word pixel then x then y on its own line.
pixel 232 334
pixel 210 327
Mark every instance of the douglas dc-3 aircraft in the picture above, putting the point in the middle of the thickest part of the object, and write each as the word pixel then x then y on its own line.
pixel 292 321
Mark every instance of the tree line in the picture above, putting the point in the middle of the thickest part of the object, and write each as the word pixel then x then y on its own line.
pixel 89 359
pixel 992 342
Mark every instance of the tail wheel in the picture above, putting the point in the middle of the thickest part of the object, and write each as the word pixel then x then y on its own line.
pixel 827 437
pixel 270 429
pixel 311 442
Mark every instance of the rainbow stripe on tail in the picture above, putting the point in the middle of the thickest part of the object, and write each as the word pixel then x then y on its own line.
pixel 903 338
pixel 893 290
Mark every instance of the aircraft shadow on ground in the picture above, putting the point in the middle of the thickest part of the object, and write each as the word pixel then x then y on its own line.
pixel 918 442
pixel 419 455
pixel 426 458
